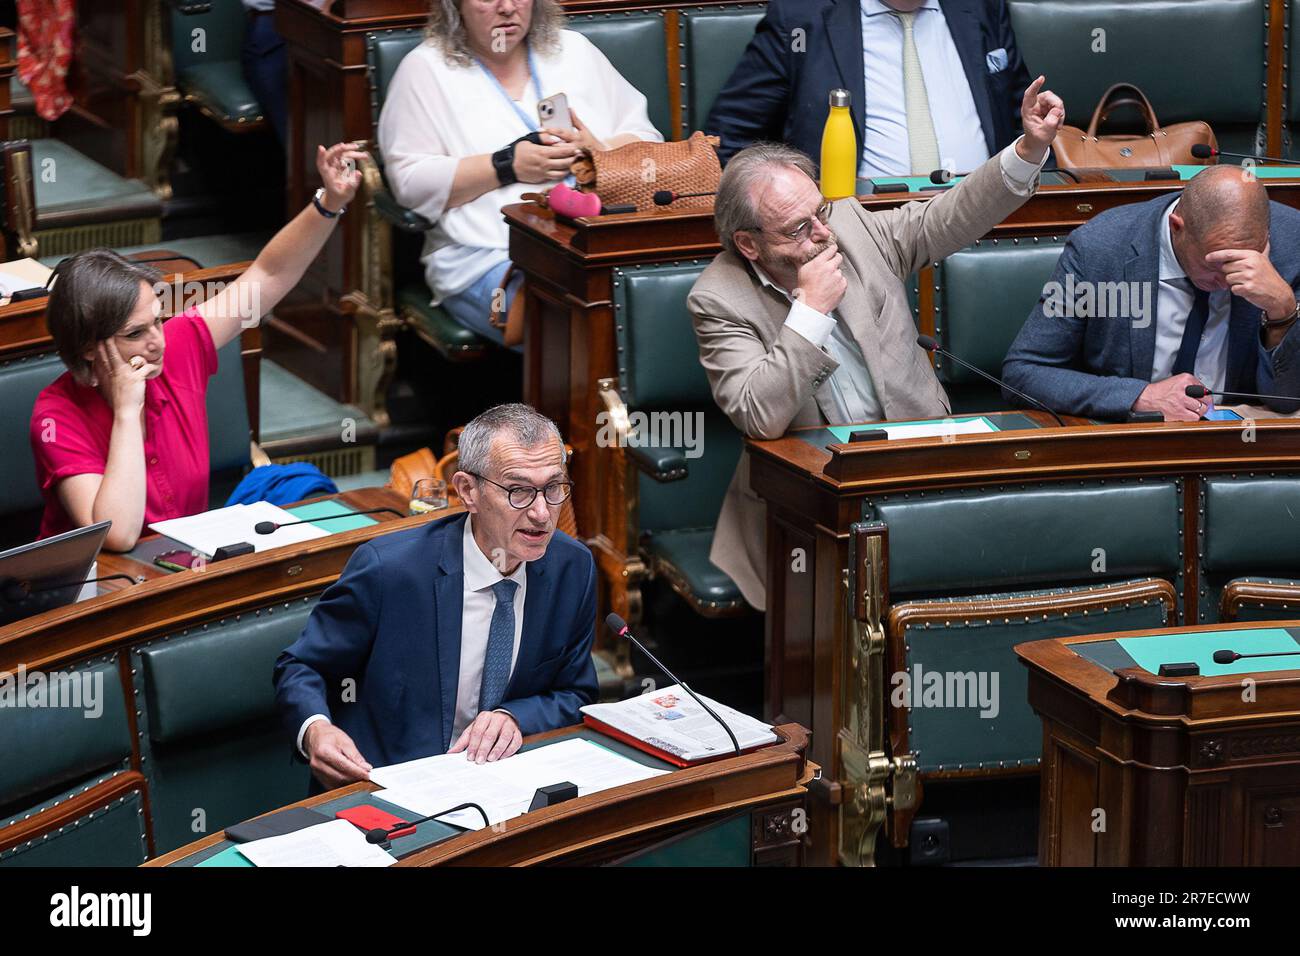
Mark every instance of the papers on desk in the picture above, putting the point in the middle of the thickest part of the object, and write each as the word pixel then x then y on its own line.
pixel 21 274
pixel 503 788
pixel 670 722
pixel 212 529
pixel 938 428
pixel 337 843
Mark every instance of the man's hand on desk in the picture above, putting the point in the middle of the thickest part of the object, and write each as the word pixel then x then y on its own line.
pixel 335 760
pixel 1169 397
pixel 493 735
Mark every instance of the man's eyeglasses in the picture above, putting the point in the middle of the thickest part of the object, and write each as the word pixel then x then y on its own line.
pixel 523 496
pixel 802 231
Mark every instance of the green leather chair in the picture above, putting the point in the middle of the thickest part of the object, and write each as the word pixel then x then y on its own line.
pixel 983 294
pixel 681 485
pixel 637 46
pixel 713 39
pixel 973 572
pixel 56 754
pixel 1251 564
pixel 214 750
pixel 212 77
pixel 21 380
pixel 1156 45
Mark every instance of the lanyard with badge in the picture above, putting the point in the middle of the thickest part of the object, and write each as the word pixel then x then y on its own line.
pixel 532 125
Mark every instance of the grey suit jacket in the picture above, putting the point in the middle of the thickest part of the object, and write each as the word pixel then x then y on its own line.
pixel 1098 366
pixel 765 376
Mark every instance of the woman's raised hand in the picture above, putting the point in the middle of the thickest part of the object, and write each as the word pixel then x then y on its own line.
pixel 338 173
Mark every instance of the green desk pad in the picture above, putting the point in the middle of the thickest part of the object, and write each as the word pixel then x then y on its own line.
pixel 431 832
pixel 916 184
pixel 839 434
pixel 1261 172
pixel 324 509
pixel 842 433
pixel 1197 647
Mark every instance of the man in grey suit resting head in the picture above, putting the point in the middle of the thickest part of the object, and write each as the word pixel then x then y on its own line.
pixel 803 319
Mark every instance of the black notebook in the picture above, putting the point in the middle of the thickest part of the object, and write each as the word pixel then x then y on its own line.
pixel 275 824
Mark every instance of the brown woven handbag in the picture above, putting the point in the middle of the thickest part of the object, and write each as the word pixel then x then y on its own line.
pixel 1158 146
pixel 633 173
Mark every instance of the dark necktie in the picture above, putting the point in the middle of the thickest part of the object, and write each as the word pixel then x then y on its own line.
pixel 1192 331
pixel 500 647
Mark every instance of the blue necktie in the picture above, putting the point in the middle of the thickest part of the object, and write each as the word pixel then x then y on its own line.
pixel 1191 344
pixel 500 647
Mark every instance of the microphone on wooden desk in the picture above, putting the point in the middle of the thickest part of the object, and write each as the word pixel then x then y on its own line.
pixel 928 343
pixel 1205 151
pixel 666 197
pixel 1200 391
pixel 270 527
pixel 1229 657
pixel 384 834
pixel 619 627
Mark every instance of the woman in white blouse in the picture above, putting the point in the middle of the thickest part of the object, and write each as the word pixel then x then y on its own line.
pixel 453 126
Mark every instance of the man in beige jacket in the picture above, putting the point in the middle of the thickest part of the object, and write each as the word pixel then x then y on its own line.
pixel 803 318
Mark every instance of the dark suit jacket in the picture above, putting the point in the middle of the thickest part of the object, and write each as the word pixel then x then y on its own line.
pixel 781 95
pixel 1098 366
pixel 391 623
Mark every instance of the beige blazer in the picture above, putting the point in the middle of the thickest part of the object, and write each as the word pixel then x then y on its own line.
pixel 765 376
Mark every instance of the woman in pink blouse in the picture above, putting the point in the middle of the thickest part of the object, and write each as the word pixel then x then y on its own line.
pixel 123 434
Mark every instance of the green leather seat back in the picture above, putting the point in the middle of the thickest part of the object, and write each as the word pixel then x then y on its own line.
pixel 979 540
pixel 985 293
pixel 1251 527
pixel 109 835
pixel 21 381
pixel 637 46
pixel 213 738
pixel 1168 48
pixel 974 713
pixel 227 403
pixel 384 51
pixel 713 39
pixel 661 377
pixel 206 57
pixel 50 748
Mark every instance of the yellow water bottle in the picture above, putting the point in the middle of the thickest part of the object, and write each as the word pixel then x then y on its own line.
pixel 839 150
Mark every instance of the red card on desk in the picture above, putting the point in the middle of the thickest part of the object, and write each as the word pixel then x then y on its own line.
pixel 367 818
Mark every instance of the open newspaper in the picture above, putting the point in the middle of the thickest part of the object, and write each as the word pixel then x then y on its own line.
pixel 671 723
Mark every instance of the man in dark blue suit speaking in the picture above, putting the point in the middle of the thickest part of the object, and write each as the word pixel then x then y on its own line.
pixel 461 635
pixel 1149 298
pixel 933 83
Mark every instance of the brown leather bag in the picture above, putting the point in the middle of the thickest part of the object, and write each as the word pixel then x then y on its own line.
pixel 1159 146
pixel 634 172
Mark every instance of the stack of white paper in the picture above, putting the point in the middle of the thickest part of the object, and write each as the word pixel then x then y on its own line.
pixel 974 426
pixel 337 843
pixel 503 788
pixel 670 720
pixel 212 529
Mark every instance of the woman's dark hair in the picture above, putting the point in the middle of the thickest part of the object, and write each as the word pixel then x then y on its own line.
pixel 93 294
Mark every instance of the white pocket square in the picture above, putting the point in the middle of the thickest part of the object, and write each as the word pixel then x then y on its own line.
pixel 996 60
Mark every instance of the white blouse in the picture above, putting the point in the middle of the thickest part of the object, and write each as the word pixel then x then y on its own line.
pixel 437 113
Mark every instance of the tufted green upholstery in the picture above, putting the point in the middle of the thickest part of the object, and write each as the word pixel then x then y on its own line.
pixel 985 293
pixel 712 42
pixel 636 45
pixel 1161 46
pixel 660 377
pixel 109 835
pixel 958 737
pixel 212 736
pixel 87 745
pixel 1250 529
pixel 384 51
pixel 432 323
pixel 981 539
pixel 212 74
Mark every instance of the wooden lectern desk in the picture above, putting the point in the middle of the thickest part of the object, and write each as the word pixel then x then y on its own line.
pixel 738 811
pixel 1144 770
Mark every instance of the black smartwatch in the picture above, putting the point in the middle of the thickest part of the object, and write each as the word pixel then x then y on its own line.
pixel 503 160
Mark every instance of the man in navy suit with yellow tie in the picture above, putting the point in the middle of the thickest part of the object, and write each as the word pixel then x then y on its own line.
pixel 462 635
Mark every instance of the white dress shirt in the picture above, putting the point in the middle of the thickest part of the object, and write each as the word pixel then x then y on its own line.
pixel 437 113
pixel 957 125
pixel 848 395
pixel 1173 303
pixel 475 619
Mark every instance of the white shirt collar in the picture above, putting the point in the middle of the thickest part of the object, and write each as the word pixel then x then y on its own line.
pixel 480 572
pixel 766 280
pixel 874 8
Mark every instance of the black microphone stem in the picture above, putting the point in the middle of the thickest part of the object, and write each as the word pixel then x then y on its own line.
pixel 979 371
